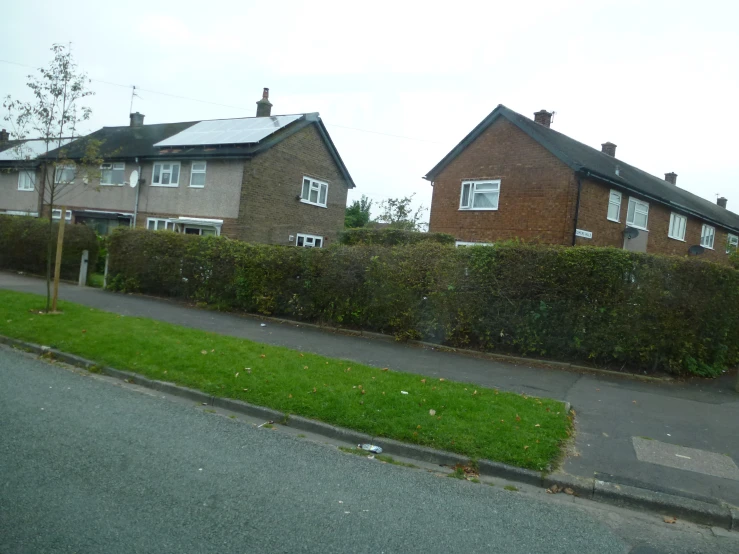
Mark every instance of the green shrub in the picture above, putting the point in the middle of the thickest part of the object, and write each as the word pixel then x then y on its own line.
pixel 23 244
pixel 391 237
pixel 603 305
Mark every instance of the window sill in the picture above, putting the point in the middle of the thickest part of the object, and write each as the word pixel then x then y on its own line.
pixel 26 190
pixel 478 209
pixel 111 184
pixel 708 247
pixel 196 186
pixel 313 204
pixel 637 227
pixel 165 186
pixel 613 220
pixel 675 238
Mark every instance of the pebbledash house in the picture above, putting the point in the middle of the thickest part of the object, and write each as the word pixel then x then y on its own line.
pixel 514 177
pixel 275 179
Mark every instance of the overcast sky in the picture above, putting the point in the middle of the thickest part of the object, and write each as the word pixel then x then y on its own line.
pixel 398 83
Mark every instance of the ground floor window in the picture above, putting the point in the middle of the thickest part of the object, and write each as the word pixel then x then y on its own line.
pixel 309 241
pixel 57 214
pixel 156 224
pixel 197 230
pixel 466 243
pixel 104 225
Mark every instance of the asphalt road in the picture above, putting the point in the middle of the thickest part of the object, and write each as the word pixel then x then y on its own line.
pixel 91 465
pixel 611 411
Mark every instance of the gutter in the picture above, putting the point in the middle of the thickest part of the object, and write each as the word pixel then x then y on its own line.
pixel 599 177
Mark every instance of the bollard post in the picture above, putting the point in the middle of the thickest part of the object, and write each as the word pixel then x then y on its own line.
pixel 83 268
pixel 105 274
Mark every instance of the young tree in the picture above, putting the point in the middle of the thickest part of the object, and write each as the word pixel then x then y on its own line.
pixel 399 213
pixel 44 125
pixel 358 214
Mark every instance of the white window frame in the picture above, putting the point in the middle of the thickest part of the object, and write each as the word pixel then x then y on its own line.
pixel 472 191
pixel 161 173
pixel 56 213
pixel 59 171
pixel 306 238
pixel 30 177
pixel 617 204
pixel 732 243
pixel 313 185
pixel 168 224
pixel 113 166
pixel 202 172
pixel 708 232
pixel 674 217
pixel 637 204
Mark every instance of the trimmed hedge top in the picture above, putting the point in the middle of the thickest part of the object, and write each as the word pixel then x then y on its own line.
pixel 391 237
pixel 603 305
pixel 24 240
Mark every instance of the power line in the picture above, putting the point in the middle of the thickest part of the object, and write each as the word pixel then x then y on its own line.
pixel 240 108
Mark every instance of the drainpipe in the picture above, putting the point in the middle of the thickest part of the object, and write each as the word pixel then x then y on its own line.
pixel 138 191
pixel 577 209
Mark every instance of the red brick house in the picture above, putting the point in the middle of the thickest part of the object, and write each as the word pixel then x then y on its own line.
pixel 514 177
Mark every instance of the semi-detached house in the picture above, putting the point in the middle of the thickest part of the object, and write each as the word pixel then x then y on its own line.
pixel 513 177
pixel 266 179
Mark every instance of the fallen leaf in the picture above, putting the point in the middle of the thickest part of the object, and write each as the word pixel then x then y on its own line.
pixel 384 369
pixel 554 489
pixel 383 393
pixel 364 392
pixel 263 356
pixel 84 330
pixel 668 519
pixel 418 426
pixel 432 412
pixel 246 389
pixel 525 447
pixel 301 355
pixel 213 350
pixel 474 393
pixel 359 386
pixel 442 379
pixel 633 401
pixel 314 389
pixel 537 425
pixel 165 371
pixel 423 381
pixel 305 367
pixel 518 418
pixel 569 491
pixel 203 351
pixel 502 420
pixel 237 374
pixel 289 395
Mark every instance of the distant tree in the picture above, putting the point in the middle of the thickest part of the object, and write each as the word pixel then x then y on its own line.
pixel 399 214
pixel 358 213
pixel 52 116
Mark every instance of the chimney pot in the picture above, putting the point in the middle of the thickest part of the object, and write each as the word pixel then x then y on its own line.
pixel 264 107
pixel 721 202
pixel 137 119
pixel 4 136
pixel 608 148
pixel 671 178
pixel 543 117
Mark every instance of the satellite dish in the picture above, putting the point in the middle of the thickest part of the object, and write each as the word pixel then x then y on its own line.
pixel 696 250
pixel 631 233
pixel 134 180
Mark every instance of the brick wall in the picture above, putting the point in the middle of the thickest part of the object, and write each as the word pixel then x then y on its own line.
pixel 593 217
pixel 270 210
pixel 537 191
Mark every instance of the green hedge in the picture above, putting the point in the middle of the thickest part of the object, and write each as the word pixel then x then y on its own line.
pixel 23 243
pixel 603 305
pixel 391 237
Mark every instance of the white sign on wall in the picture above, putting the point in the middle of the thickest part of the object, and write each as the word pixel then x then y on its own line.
pixel 584 234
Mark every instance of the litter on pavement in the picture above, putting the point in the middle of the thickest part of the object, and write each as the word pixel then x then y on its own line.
pixel 370 448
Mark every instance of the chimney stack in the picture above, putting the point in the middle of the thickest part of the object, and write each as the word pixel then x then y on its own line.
pixel 137 119
pixel 543 117
pixel 721 202
pixel 264 107
pixel 608 148
pixel 4 136
pixel 671 178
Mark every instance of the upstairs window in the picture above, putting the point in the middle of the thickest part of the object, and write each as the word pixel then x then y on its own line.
pixel 112 174
pixel 26 180
pixel 309 241
pixel 166 174
pixel 732 242
pixel 64 174
pixel 480 195
pixel 614 206
pixel 708 234
pixel 197 174
pixel 638 214
pixel 677 226
pixel 314 192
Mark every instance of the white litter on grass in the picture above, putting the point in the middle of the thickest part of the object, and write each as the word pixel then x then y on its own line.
pixel 200 469
pixel 263 325
pixel 681 456
pixel 403 392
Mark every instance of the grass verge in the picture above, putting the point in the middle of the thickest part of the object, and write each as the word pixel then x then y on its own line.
pixel 473 421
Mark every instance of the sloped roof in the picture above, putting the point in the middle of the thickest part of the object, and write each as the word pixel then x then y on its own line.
pixel 170 140
pixel 26 150
pixel 595 164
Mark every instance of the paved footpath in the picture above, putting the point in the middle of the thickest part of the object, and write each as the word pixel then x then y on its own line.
pixel 674 437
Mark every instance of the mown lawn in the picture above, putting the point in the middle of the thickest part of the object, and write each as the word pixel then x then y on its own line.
pixel 470 420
